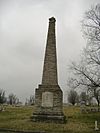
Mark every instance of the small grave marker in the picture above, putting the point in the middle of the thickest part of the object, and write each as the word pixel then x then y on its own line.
pixel 96 126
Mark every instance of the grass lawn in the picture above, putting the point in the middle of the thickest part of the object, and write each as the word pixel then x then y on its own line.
pixel 19 118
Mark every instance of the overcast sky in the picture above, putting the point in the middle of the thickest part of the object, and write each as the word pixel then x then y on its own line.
pixel 23 32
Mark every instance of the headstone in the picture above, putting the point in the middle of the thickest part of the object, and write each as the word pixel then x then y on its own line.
pixel 96 126
pixel 48 95
pixel 2 109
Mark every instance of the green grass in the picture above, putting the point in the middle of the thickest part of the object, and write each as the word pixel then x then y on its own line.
pixel 19 118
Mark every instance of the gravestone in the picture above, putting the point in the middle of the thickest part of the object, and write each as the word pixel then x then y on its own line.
pixel 96 126
pixel 48 95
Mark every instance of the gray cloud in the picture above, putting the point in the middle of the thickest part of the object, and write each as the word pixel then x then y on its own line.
pixel 23 31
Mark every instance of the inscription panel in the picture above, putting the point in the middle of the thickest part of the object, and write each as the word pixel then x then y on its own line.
pixel 47 99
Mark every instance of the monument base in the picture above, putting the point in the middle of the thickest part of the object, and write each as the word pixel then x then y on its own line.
pixel 49 118
pixel 48 104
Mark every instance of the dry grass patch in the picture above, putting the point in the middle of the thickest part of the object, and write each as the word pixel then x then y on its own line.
pixel 19 118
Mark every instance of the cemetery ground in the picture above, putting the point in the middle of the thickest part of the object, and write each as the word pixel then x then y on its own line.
pixel 18 118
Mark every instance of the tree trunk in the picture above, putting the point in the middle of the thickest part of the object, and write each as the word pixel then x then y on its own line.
pixel 98 102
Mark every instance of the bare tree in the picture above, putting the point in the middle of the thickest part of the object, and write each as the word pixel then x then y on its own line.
pixel 91 31
pixel 86 77
pixel 32 100
pixel 83 97
pixel 12 99
pixel 91 26
pixel 72 97
pixel 2 96
pixel 86 72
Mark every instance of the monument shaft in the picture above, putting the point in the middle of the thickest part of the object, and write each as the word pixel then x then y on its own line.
pixel 50 62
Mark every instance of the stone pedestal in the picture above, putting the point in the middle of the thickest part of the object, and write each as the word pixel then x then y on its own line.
pixel 48 104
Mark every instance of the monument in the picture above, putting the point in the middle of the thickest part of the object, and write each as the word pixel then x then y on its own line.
pixel 48 95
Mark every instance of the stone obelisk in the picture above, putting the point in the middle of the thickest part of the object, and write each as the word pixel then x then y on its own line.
pixel 48 95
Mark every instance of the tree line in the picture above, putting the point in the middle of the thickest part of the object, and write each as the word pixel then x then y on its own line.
pixel 12 99
pixel 80 99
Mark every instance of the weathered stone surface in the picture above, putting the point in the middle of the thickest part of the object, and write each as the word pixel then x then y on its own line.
pixel 50 61
pixel 57 99
pixel 48 95
pixel 47 99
